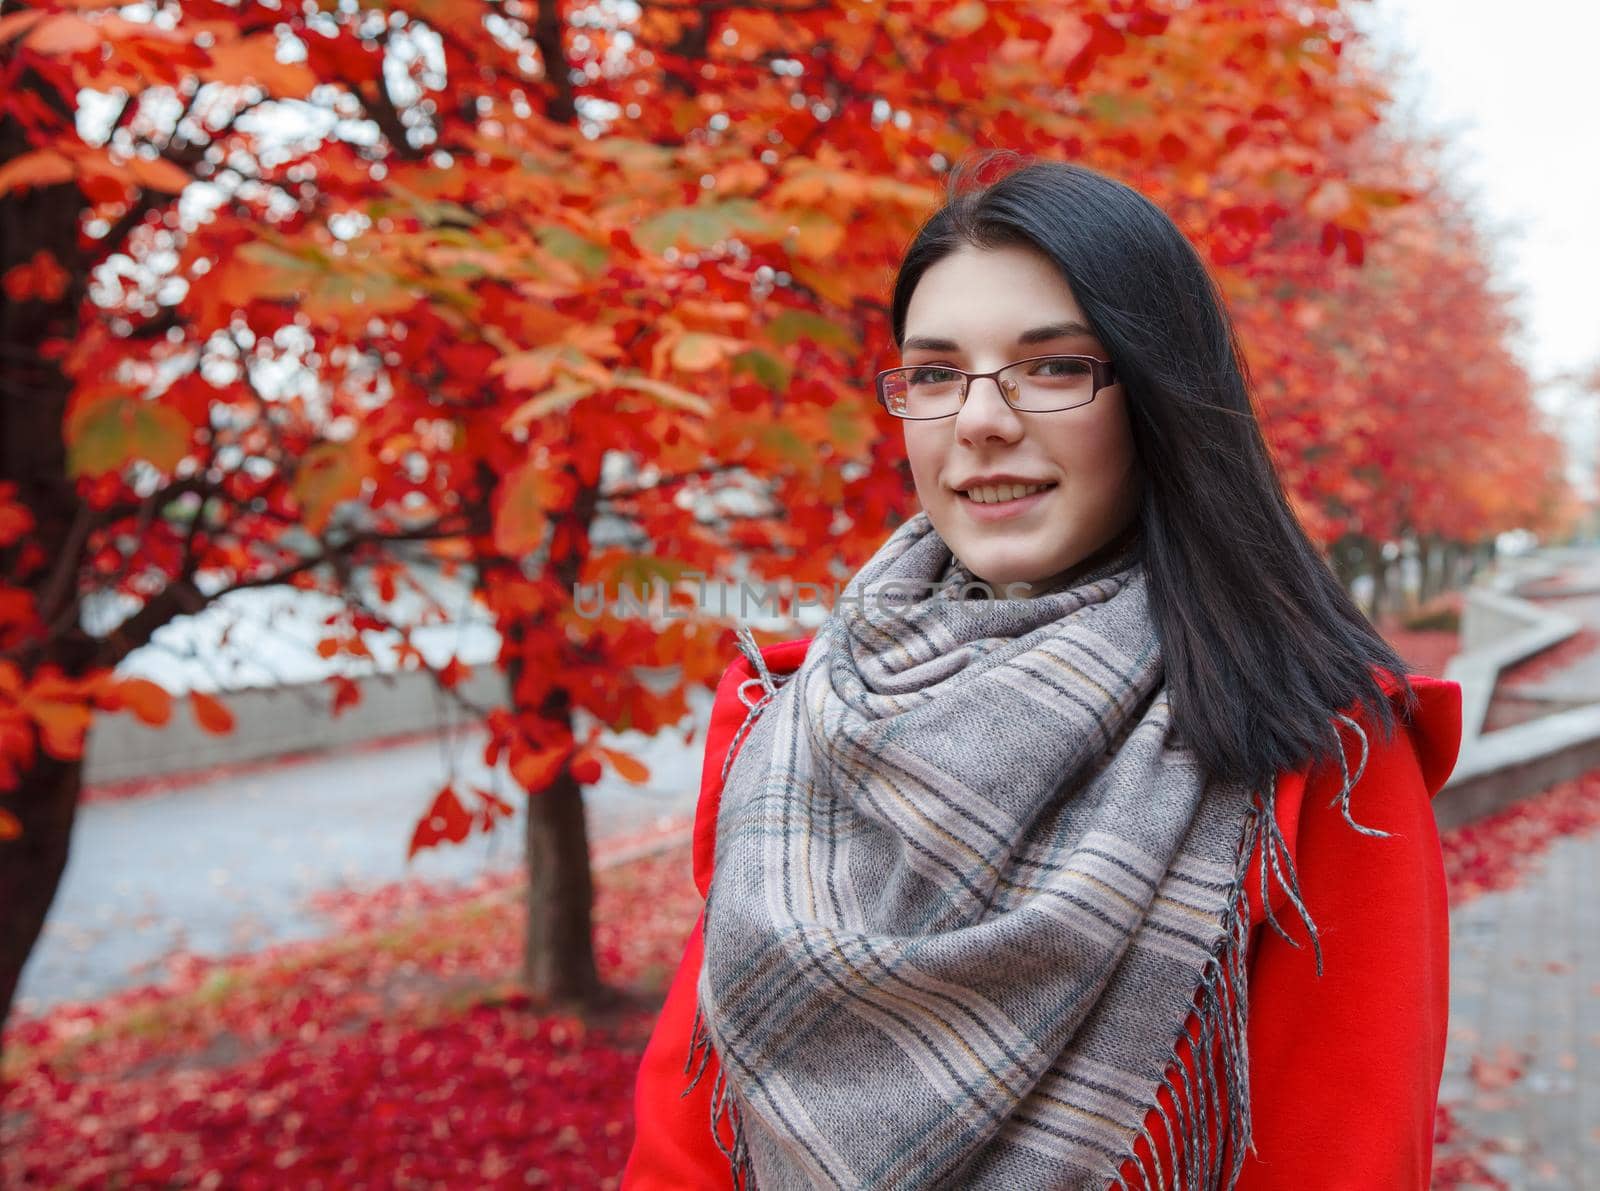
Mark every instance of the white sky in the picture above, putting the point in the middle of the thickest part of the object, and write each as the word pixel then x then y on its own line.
pixel 1516 90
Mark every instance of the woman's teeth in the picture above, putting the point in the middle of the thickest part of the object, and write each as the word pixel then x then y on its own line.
pixel 990 494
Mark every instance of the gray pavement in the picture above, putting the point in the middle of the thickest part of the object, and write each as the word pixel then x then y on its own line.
pixel 226 865
pixel 1522 1071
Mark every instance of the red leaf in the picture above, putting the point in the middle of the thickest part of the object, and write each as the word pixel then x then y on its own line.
pixel 446 819
pixel 494 807
pixel 346 693
pixel 586 767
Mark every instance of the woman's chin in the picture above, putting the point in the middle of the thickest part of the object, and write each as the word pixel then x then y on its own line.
pixel 998 575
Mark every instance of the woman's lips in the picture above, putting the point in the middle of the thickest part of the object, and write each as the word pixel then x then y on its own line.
pixel 1001 510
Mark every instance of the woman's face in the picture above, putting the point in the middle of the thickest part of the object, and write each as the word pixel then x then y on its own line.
pixel 980 309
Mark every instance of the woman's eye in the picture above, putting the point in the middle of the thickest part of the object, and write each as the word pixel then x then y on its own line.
pixel 931 376
pixel 1063 367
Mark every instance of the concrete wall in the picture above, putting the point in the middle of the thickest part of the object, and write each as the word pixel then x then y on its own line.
pixel 273 721
pixel 1496 769
pixel 1489 617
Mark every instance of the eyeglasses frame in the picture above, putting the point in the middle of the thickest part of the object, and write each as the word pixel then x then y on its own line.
pixel 1103 373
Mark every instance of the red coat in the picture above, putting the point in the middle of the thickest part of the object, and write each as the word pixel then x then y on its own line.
pixel 1344 1070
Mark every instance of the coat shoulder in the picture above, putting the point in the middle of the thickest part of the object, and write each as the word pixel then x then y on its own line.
pixel 728 712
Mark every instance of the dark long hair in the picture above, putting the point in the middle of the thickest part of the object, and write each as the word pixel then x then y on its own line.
pixel 1262 645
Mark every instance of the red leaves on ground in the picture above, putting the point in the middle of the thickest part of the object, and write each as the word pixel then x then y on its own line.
pixel 1548 662
pixel 1458 1156
pixel 384 1056
pixel 1424 651
pixel 1498 1073
pixel 1496 852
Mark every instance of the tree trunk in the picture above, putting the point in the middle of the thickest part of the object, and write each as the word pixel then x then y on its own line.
pixel 1345 559
pixel 1380 583
pixel 1452 565
pixel 33 457
pixel 1427 567
pixel 558 953
pixel 558 963
pixel 31 865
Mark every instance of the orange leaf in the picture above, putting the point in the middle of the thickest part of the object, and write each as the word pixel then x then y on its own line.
pixel 255 59
pixel 62 725
pixel 536 769
pixel 157 174
pixel 629 768
pixel 19 22
pixel 210 712
pixel 520 516
pixel 329 474
pixel 666 393
pixel 42 167
pixel 696 351
pixel 10 827
pixel 64 34
pixel 150 702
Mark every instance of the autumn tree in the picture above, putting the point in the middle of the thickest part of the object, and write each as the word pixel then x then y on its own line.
pixel 579 294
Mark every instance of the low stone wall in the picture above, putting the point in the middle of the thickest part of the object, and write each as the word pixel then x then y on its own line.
pixel 271 722
pixel 1504 767
pixel 1496 769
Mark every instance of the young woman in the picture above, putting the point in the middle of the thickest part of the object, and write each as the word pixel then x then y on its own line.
pixel 1088 843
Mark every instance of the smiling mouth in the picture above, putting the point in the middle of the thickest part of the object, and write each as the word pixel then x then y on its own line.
pixel 993 494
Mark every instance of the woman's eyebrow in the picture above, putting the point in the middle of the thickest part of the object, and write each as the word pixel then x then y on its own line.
pixel 1029 337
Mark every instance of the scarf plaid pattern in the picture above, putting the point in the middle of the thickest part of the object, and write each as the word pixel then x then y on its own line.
pixel 968 890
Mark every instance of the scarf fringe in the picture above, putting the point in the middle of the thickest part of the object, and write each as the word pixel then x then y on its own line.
pixel 1223 1012
pixel 723 1107
pixel 1222 998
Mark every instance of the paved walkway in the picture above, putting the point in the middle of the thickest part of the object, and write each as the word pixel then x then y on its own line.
pixel 1522 1071
pixel 227 865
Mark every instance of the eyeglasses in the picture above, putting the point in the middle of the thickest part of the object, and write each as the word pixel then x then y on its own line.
pixel 1037 385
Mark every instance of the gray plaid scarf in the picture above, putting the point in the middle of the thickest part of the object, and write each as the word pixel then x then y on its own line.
pixel 968 889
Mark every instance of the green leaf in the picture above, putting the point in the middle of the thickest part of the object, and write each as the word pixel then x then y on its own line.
pixel 782 441
pixel 794 325
pixel 848 430
pixel 640 571
pixel 114 432
pixel 565 244
pixel 703 224
pixel 768 369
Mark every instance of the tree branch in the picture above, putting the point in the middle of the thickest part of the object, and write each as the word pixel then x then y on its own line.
pixel 182 597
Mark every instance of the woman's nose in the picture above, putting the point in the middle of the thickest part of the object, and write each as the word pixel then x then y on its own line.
pixel 985 414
